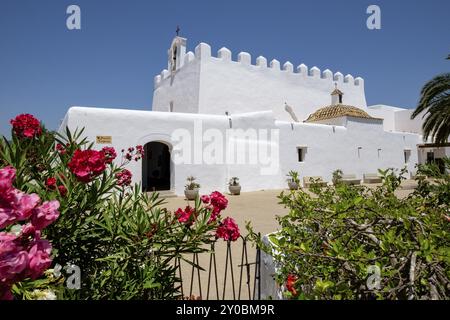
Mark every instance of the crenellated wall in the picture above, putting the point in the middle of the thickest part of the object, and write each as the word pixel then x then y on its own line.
pixel 244 84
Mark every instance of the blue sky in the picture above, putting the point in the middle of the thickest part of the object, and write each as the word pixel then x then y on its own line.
pixel 111 61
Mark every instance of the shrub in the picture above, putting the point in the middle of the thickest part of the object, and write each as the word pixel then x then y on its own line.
pixel 334 241
pixel 123 241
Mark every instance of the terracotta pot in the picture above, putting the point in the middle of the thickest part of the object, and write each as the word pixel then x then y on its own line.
pixel 191 194
pixel 235 190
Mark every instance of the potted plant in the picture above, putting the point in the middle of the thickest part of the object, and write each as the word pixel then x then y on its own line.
pixel 191 188
pixel 234 186
pixel 337 177
pixel 293 180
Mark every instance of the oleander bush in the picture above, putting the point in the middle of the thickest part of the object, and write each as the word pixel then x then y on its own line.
pixel 352 242
pixel 73 226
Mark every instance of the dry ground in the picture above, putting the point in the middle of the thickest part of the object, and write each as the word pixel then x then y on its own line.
pixel 259 207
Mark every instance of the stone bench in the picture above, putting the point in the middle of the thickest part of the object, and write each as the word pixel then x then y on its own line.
pixel 318 180
pixel 350 179
pixel 371 178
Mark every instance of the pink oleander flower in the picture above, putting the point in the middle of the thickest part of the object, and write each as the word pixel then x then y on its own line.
pixel 228 230
pixel 218 201
pixel 205 199
pixel 45 214
pixel 110 154
pixel 87 164
pixel 60 148
pixel 184 216
pixel 140 150
pixel 16 206
pixel 13 258
pixel 124 178
pixel 24 255
pixel 39 258
pixel 29 230
pixel 214 215
pixel 5 292
pixel 7 177
pixel 26 126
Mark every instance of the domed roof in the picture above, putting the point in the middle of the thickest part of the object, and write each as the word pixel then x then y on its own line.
pixel 336 111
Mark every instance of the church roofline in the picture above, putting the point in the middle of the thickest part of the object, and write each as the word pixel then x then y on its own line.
pixel 203 52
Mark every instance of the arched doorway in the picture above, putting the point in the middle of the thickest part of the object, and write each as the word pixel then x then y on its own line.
pixel 156 167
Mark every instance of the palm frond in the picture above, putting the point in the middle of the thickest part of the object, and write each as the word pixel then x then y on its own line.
pixel 434 103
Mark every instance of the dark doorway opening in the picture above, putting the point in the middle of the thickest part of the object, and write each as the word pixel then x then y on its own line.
pixel 156 167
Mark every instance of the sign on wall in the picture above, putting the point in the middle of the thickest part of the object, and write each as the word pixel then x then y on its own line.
pixel 104 139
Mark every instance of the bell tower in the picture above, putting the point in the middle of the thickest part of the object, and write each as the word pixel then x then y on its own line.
pixel 176 53
pixel 336 96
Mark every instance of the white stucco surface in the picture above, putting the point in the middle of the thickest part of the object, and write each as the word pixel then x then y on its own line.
pixel 218 94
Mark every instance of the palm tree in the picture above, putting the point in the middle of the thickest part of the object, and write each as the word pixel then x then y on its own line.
pixel 435 101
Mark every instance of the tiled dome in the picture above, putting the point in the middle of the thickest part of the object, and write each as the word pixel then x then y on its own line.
pixel 336 111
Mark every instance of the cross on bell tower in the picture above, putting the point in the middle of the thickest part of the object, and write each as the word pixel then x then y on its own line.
pixel 176 52
pixel 336 95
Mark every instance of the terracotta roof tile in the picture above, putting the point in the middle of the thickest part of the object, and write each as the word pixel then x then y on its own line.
pixel 336 111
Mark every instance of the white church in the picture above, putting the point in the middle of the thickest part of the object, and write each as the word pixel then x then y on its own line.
pixel 215 116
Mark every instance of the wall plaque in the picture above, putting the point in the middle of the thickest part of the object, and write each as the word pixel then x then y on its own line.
pixel 104 139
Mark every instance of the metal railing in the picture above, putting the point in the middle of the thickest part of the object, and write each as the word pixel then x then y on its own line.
pixel 221 286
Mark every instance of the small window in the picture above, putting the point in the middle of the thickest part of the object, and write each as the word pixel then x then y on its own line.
pixel 301 152
pixel 407 154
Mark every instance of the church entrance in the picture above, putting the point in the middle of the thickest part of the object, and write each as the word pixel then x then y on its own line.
pixel 156 167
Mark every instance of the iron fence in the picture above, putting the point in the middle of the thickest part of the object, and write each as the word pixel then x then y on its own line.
pixel 222 285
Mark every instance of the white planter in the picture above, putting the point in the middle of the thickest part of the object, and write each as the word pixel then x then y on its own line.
pixel 235 190
pixel 191 194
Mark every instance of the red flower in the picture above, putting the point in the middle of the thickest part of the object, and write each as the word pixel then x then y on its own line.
pixel 184 216
pixel 140 150
pixel 51 183
pixel 228 230
pixel 26 126
pixel 110 154
pixel 205 199
pixel 62 190
pixel 218 201
pixel 290 284
pixel 124 177
pixel 87 164
pixel 60 148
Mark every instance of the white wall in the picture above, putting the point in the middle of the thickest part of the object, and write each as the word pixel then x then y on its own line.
pixel 336 147
pixel 245 86
pixel 397 119
pixel 404 123
pixel 181 87
pixel 328 147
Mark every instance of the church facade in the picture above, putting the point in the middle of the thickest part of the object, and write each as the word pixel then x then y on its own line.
pixel 215 117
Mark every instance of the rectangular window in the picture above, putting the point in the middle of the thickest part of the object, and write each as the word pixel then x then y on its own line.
pixel 407 154
pixel 301 152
